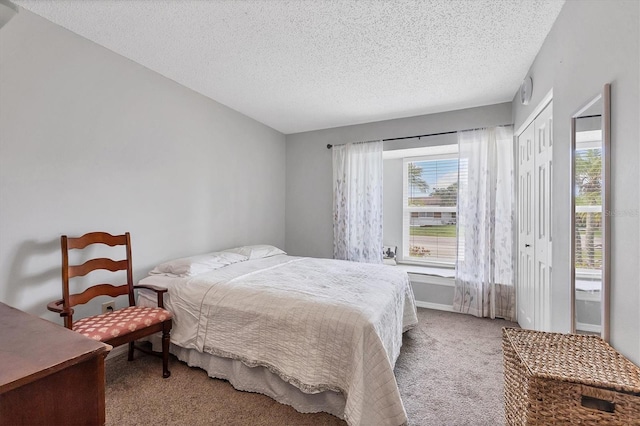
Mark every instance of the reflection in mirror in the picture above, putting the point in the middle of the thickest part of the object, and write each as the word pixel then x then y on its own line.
pixel 590 137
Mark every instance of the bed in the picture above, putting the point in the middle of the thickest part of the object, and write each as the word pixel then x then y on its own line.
pixel 316 334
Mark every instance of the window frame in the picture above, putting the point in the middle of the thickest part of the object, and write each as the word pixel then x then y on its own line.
pixel 407 210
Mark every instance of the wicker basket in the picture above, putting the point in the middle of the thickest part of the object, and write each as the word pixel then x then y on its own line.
pixel 553 378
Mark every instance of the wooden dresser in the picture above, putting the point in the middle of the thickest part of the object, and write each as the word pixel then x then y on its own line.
pixel 49 375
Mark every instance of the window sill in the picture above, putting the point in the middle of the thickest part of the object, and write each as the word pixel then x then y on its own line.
pixel 588 285
pixel 428 270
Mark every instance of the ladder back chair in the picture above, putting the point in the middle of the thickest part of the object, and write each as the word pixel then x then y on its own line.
pixel 120 326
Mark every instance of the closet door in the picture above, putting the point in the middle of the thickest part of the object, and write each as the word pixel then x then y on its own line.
pixel 525 291
pixel 533 286
pixel 542 211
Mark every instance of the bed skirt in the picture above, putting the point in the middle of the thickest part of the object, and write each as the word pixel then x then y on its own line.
pixel 259 380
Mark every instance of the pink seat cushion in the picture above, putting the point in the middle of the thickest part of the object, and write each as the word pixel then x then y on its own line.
pixel 113 324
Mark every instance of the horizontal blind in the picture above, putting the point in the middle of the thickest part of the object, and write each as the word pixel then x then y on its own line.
pixel 588 212
pixel 430 203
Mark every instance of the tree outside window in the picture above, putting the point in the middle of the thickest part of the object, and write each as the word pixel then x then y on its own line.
pixel 430 202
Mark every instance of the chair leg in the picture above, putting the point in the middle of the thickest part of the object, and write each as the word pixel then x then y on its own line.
pixel 130 357
pixel 165 352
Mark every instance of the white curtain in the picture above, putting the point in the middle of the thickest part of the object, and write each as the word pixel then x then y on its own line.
pixel 486 205
pixel 357 202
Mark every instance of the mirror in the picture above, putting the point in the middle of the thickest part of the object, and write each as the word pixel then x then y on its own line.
pixel 591 153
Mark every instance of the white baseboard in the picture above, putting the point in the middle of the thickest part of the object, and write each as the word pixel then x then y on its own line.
pixel 118 350
pixel 436 306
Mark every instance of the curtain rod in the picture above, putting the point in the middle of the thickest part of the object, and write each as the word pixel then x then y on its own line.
pixel 329 146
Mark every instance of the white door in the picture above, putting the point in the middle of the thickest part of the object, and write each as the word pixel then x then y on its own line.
pixel 542 227
pixel 533 284
pixel 524 287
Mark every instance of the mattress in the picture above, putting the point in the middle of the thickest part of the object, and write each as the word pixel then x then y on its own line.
pixel 327 328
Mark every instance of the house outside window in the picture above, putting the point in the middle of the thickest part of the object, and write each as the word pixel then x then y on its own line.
pixel 430 193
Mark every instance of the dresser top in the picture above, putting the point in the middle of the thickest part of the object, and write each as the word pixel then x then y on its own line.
pixel 32 348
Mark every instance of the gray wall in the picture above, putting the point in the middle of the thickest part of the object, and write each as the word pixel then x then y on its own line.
pixel 309 202
pixel 590 44
pixel 92 141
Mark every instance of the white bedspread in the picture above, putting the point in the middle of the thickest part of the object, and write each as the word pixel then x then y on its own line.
pixel 319 324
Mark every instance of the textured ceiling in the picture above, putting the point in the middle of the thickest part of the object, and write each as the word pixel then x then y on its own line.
pixel 306 65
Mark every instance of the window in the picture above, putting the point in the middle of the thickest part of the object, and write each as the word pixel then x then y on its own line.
pixel 588 214
pixel 430 195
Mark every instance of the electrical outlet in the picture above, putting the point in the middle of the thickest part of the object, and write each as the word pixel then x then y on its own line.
pixel 108 307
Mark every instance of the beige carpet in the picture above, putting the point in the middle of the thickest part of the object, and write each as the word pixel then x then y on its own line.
pixel 449 373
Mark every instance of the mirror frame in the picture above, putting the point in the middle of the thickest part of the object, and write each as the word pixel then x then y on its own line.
pixel 606 217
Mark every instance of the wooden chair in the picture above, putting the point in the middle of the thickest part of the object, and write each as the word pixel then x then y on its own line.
pixel 123 325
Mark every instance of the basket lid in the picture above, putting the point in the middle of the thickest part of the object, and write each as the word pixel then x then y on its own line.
pixel 574 358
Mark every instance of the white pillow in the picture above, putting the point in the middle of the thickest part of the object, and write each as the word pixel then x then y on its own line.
pixel 256 251
pixel 195 265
